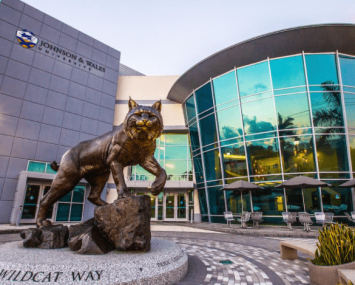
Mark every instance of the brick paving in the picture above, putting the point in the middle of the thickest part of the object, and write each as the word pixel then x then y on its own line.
pixel 254 260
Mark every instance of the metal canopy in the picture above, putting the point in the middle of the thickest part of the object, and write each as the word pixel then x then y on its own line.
pixel 350 183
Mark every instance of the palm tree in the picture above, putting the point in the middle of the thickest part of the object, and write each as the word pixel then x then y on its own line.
pixel 332 114
pixel 285 125
pixel 286 146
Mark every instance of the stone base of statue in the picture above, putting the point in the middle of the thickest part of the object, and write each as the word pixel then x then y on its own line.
pixel 165 263
pixel 123 225
pixel 50 237
pixel 126 223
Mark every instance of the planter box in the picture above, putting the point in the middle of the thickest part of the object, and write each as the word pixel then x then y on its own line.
pixel 326 275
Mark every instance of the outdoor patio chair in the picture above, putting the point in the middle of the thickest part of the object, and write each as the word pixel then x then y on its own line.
pixel 256 217
pixel 244 218
pixel 289 218
pixel 320 218
pixel 350 218
pixel 229 217
pixel 329 218
pixel 306 220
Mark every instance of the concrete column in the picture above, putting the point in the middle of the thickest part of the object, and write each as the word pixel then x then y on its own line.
pixel 197 211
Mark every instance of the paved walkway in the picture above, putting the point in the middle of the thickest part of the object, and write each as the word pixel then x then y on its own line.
pixel 250 260
pixel 266 231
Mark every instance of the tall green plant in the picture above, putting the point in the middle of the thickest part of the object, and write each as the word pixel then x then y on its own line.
pixel 336 245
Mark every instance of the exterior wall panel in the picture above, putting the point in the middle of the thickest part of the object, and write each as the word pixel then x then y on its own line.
pixel 48 102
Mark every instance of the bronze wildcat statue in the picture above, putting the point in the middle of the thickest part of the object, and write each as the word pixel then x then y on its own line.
pixel 133 142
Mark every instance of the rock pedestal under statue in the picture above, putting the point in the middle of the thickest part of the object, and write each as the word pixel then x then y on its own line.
pixel 123 225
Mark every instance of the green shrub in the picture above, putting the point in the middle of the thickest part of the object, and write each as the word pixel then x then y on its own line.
pixel 336 245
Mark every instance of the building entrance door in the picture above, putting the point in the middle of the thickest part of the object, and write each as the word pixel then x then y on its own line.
pixel 34 194
pixel 175 207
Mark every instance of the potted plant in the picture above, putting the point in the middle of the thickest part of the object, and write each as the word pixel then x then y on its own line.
pixel 335 250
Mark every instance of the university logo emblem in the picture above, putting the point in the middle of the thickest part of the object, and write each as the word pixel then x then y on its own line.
pixel 26 38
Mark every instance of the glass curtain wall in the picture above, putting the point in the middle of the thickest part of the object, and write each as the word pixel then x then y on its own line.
pixel 269 122
pixel 173 153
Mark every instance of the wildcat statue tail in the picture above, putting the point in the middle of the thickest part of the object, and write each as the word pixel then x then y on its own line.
pixel 54 165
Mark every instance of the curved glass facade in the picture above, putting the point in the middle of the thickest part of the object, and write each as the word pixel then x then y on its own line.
pixel 271 121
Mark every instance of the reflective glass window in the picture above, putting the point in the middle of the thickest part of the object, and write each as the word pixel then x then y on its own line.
pixel 36 166
pixel 287 72
pixel 195 140
pixel 297 154
pixel 347 66
pixel 254 79
pixel 233 201
pixel 332 153
pixel 321 69
pixel 238 203
pixel 190 108
pixel 198 168
pixel 292 112
pixel 66 198
pixel 259 116
pixel 203 201
pixel 176 152
pixel 312 200
pixel 327 109
pixel 78 194
pixel 204 99
pixel 263 157
pixel 229 123
pixel 142 174
pixel 49 169
pixel 175 139
pixel 234 161
pixel 352 151
pixel 76 212
pixel 216 200
pixel 349 99
pixel 337 200
pixel 212 165
pixel 176 169
pixel 63 212
pixel 269 200
pixel 208 130
pixel 294 200
pixel 225 88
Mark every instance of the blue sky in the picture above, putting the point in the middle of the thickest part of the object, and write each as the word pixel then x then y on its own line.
pixel 167 37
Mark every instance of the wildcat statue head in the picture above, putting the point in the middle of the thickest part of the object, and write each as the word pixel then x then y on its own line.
pixel 143 122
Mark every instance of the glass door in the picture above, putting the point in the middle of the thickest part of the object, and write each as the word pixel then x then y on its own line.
pixel 175 207
pixel 31 203
pixel 181 206
pixel 153 208
pixel 34 194
pixel 170 207
pixel 50 210
pixel 160 206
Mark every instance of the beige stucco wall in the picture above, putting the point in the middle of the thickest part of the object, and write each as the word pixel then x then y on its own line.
pixel 143 88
